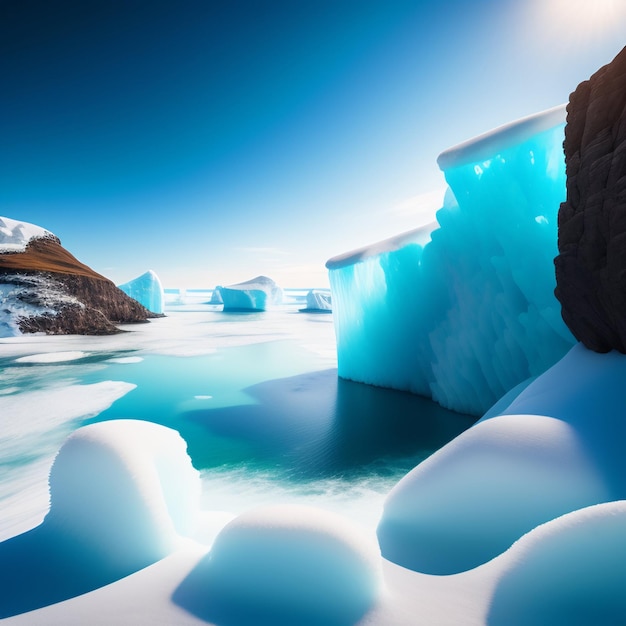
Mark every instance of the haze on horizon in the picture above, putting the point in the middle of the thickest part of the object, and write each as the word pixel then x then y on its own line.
pixel 214 141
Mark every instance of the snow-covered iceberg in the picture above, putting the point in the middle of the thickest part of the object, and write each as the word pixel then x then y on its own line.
pixel 318 301
pixel 147 290
pixel 256 294
pixel 464 309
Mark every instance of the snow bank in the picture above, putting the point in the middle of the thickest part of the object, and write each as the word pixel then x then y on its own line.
pixel 469 312
pixel 122 495
pixel 285 565
pixel 504 476
pixel 569 571
pixel 125 487
pixel 16 235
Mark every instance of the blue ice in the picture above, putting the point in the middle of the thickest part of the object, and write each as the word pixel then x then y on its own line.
pixel 147 290
pixel 463 310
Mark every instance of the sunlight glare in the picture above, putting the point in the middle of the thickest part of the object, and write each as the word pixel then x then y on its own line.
pixel 586 16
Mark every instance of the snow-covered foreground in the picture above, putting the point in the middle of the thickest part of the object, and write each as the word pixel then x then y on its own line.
pixel 519 520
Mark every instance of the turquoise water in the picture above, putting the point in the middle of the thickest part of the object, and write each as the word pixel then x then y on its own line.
pixel 261 408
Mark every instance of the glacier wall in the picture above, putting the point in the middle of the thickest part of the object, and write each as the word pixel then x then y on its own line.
pixel 463 309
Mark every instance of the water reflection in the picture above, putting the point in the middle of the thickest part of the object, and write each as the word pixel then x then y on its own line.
pixel 317 425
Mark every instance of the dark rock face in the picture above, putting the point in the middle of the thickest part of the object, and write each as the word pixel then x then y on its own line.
pixel 591 266
pixel 72 297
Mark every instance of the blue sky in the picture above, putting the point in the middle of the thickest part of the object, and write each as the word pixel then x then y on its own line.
pixel 214 141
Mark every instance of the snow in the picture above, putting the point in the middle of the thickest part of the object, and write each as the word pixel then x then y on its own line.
pixel 464 311
pixel 147 290
pixel 24 296
pixel 256 294
pixel 16 235
pixel 285 565
pixel 52 357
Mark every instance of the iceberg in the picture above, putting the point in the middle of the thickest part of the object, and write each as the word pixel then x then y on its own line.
pixel 147 290
pixel 216 296
pixel 256 294
pixel 318 301
pixel 463 309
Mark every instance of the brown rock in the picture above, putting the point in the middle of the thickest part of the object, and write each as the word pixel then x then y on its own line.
pixel 591 265
pixel 83 302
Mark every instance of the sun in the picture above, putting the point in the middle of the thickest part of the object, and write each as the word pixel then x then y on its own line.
pixel 585 16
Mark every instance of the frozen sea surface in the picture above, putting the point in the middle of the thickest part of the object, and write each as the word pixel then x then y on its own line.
pixel 256 397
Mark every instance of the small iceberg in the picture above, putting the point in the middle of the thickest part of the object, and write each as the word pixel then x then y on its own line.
pixel 256 294
pixel 318 301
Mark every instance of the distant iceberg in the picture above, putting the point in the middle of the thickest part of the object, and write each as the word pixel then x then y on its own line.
pixel 318 301
pixel 216 296
pixel 147 290
pixel 463 310
pixel 256 294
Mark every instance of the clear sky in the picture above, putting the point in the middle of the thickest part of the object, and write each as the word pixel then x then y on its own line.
pixel 215 141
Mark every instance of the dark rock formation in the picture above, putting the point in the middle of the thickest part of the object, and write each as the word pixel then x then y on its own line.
pixel 71 297
pixel 591 266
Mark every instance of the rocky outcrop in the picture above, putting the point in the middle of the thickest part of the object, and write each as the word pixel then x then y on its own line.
pixel 591 265
pixel 46 289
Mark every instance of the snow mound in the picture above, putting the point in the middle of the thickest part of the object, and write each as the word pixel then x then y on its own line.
pixel 472 499
pixel 505 475
pixel 285 565
pixel 569 571
pixel 125 490
pixel 123 494
pixel 147 290
pixel 16 235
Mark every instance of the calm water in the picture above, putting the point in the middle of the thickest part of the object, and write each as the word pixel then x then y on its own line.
pixel 256 397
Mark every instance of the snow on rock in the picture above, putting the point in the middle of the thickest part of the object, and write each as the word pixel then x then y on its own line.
pixel 16 235
pixel 318 300
pixel 147 290
pixel 505 475
pixel 256 294
pixel 123 493
pixel 571 571
pixel 285 565
pixel 465 311
pixel 34 296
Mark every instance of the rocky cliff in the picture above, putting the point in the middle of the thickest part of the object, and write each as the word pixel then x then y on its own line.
pixel 46 289
pixel 591 265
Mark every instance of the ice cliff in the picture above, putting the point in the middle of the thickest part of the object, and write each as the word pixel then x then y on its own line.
pixel 147 290
pixel 463 310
